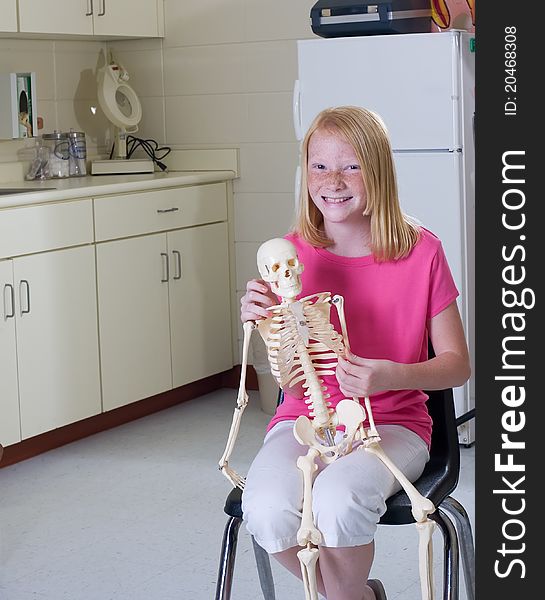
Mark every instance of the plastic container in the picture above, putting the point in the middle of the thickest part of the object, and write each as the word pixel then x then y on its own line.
pixel 77 149
pixel 58 164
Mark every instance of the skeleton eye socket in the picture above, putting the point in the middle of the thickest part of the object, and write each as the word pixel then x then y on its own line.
pixel 275 267
pixel 291 262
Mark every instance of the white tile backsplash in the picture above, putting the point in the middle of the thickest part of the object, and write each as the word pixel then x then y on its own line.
pixel 197 70
pixel 269 118
pixel 197 22
pixel 268 167
pixel 282 19
pixel 246 265
pixel 270 66
pixel 259 217
pixel 206 119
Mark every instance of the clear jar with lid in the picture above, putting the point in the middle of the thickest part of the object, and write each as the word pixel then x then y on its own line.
pixel 59 153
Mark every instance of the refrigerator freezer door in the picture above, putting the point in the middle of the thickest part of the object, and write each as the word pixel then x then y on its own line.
pixel 431 190
pixel 410 80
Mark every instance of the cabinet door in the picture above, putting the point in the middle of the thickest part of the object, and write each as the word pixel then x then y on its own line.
pixel 56 16
pixel 10 431
pixel 8 15
pixel 57 338
pixel 133 319
pixel 200 313
pixel 123 18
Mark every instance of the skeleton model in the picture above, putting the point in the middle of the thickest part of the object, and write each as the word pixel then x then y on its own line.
pixel 302 346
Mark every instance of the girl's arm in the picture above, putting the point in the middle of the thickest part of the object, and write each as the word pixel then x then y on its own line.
pixel 449 368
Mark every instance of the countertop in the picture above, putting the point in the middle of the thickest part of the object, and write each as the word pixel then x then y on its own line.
pixel 54 190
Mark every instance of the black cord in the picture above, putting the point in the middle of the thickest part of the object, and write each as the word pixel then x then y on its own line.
pixel 150 147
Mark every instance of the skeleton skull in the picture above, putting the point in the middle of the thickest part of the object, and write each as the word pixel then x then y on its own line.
pixel 279 265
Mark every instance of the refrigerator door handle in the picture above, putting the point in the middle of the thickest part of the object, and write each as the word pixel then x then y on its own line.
pixel 297 110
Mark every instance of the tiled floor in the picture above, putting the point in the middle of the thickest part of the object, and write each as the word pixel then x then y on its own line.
pixel 136 513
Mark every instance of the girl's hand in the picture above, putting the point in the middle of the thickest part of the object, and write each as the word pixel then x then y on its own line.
pixel 257 299
pixel 360 377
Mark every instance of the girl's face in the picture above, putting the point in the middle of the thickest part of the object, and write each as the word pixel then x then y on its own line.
pixel 335 181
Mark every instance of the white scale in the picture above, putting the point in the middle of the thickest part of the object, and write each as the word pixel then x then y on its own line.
pixel 122 107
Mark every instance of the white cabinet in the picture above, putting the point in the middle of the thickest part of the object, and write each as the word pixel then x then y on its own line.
pixel 133 319
pixel 109 301
pixel 49 332
pixel 50 301
pixel 164 297
pixel 8 16
pixel 57 338
pixel 103 18
pixel 10 430
pixel 200 307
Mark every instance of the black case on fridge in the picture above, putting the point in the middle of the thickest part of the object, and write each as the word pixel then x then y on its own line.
pixel 342 18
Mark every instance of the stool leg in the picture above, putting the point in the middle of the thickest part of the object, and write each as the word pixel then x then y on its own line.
pixel 227 559
pixel 467 550
pixel 451 569
pixel 264 571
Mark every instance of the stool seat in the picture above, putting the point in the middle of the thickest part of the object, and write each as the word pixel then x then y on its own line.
pixel 233 504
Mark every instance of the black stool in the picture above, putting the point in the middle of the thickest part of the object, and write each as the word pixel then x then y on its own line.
pixel 437 482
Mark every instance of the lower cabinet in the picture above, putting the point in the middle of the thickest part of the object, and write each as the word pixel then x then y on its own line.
pixel 200 307
pixel 164 311
pixel 10 428
pixel 50 310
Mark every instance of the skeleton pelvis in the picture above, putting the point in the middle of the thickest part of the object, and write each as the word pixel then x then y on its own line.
pixel 348 413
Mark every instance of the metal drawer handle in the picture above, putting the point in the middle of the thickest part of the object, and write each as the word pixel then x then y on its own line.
pixel 166 270
pixel 178 270
pixel 89 8
pixel 12 299
pixel 167 210
pixel 27 285
pixel 103 12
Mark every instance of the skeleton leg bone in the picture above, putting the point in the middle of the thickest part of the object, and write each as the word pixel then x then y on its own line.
pixel 242 401
pixel 308 533
pixel 308 557
pixel 425 553
pixel 421 507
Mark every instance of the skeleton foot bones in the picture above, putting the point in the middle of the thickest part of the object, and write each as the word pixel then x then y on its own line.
pixel 302 347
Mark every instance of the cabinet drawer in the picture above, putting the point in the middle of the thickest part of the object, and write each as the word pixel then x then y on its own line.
pixel 29 229
pixel 159 210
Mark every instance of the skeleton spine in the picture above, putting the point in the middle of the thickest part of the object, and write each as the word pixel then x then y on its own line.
pixel 318 407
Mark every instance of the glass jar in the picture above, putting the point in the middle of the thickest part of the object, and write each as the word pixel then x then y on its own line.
pixel 59 154
pixel 77 148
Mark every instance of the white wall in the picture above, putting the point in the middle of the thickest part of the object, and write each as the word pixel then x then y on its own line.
pixel 65 85
pixel 222 78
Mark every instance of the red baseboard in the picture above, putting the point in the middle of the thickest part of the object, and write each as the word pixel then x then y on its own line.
pixel 76 431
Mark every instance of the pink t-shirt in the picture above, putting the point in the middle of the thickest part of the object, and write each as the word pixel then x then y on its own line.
pixel 387 306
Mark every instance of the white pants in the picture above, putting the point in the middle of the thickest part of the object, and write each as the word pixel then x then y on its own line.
pixel 348 495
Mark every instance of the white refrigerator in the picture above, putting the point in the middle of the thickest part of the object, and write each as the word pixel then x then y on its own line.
pixel 423 86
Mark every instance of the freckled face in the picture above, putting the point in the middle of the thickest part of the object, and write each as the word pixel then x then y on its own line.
pixel 335 181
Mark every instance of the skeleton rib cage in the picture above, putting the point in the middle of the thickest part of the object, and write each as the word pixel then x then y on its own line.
pixel 302 346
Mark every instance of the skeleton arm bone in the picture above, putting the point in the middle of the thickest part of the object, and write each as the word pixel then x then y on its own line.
pixel 338 302
pixel 242 402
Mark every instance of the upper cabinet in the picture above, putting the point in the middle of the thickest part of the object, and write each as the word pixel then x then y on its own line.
pixel 105 19
pixel 8 16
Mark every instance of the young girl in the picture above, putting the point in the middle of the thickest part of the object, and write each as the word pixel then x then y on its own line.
pixel 353 240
